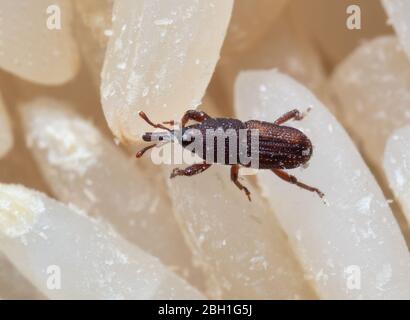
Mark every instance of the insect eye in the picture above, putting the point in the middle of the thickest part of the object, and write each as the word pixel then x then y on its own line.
pixel 161 138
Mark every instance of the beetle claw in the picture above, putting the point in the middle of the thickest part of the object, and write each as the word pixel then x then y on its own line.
pixel 248 193
pixel 174 173
pixel 320 193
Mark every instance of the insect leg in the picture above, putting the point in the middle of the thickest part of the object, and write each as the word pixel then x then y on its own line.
pixel 291 179
pixel 142 151
pixel 193 115
pixel 191 170
pixel 294 114
pixel 147 120
pixel 234 178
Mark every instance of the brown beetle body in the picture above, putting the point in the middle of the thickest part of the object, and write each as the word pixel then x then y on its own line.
pixel 278 148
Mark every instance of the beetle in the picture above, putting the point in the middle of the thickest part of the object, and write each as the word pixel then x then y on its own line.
pixel 279 147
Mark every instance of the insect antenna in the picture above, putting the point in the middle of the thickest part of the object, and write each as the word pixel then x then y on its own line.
pixel 147 120
pixel 140 153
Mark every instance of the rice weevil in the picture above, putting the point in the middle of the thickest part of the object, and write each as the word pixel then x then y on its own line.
pixel 279 147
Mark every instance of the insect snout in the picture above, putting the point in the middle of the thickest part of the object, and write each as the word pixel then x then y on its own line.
pixel 147 136
pixel 157 136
